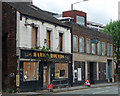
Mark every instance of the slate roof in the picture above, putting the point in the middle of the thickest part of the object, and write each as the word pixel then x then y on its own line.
pixel 33 11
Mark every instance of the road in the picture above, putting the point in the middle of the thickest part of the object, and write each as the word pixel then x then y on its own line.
pixel 99 90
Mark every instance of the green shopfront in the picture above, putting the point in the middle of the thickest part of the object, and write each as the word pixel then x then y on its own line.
pixel 37 69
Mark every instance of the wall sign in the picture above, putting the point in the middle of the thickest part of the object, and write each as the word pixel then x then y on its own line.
pixel 39 54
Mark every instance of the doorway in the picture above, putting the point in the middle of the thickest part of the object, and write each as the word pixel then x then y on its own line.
pixel 92 72
pixel 109 68
pixel 46 75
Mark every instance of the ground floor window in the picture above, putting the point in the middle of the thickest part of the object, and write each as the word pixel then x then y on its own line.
pixel 61 70
pixel 30 71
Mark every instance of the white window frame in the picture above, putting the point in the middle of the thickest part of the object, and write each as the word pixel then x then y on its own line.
pixel 76 43
pixel 82 44
pixel 93 52
pixel 86 46
pixel 108 49
pixel 111 50
pixel 102 48
pixel 99 51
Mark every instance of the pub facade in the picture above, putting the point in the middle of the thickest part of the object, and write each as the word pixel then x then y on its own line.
pixel 36 48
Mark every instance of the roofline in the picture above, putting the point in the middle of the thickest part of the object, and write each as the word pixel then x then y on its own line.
pixel 46 21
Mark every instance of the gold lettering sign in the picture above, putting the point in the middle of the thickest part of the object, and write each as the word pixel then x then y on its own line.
pixel 34 54
pixel 39 54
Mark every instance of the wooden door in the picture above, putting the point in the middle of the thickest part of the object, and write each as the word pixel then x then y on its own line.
pixel 45 76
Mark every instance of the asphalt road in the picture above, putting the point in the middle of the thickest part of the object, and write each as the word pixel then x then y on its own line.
pixel 99 90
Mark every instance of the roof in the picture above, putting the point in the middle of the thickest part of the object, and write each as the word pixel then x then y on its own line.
pixel 33 11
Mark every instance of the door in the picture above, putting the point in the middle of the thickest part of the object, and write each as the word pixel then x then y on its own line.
pixel 108 70
pixel 45 76
pixel 91 73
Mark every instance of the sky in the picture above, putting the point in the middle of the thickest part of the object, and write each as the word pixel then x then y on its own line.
pixel 99 11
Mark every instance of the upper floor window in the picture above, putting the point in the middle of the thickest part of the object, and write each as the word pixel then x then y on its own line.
pixel 75 43
pixel 93 48
pixel 80 20
pixel 60 41
pixel 48 39
pixel 88 46
pixel 103 48
pixel 99 48
pixel 111 50
pixel 108 50
pixel 34 37
pixel 81 44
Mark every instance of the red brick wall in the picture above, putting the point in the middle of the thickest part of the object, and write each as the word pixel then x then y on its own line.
pixel 75 13
pixel 9 62
pixel 85 32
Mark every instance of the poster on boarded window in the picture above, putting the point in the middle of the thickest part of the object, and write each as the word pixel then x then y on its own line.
pixel 79 74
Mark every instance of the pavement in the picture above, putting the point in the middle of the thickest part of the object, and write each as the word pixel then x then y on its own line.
pixel 67 89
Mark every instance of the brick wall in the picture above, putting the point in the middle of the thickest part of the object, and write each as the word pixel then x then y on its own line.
pixel 75 13
pixel 85 32
pixel 9 62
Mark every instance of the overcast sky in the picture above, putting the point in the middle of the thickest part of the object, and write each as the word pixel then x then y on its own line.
pixel 99 11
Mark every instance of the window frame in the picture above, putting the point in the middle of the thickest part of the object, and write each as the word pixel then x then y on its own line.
pixel 92 48
pixel 82 44
pixel 86 46
pixel 76 43
pixel 108 49
pixel 48 30
pixel 29 62
pixel 77 17
pixel 99 53
pixel 102 48
pixel 111 50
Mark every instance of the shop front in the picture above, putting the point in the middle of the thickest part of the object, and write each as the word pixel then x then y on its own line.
pixel 37 69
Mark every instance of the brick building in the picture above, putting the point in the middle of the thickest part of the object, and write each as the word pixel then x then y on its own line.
pixel 92 55
pixel 36 48
pixel 79 17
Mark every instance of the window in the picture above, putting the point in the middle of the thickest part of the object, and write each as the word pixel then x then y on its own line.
pixel 93 48
pixel 111 50
pixel 81 45
pixel 103 48
pixel 75 43
pixel 60 41
pixel 61 70
pixel 108 50
pixel 34 37
pixel 88 46
pixel 81 20
pixel 99 48
pixel 48 39
pixel 30 71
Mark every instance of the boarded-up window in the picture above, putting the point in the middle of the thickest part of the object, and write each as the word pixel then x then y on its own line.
pixel 48 39
pixel 34 37
pixel 60 41
pixel 61 70
pixel 30 71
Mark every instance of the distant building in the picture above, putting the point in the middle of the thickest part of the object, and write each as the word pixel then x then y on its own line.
pixel 95 26
pixel 119 10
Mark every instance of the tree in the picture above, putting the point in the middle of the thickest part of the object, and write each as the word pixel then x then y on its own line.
pixel 113 29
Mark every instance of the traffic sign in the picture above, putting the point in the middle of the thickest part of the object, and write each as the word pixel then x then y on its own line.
pixel 87 82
